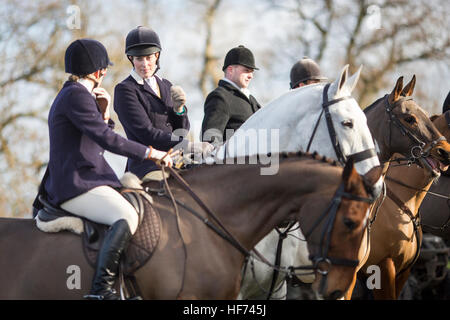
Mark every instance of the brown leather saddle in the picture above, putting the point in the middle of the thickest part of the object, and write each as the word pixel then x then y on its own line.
pixel 141 245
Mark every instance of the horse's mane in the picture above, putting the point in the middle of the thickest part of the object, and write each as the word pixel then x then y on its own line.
pixel 372 105
pixel 283 155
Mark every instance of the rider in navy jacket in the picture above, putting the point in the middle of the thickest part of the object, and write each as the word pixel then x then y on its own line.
pixel 78 139
pixel 149 107
pixel 78 178
pixel 147 118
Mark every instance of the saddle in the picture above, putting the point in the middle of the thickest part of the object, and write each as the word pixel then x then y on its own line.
pixel 141 245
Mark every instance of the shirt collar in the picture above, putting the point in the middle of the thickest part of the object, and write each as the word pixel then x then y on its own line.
pixel 139 79
pixel 87 84
pixel 245 91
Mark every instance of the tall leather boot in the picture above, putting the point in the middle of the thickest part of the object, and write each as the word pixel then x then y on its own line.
pixel 108 259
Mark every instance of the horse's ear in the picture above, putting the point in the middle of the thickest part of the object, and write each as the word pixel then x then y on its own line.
pixel 409 88
pixel 371 178
pixel 395 94
pixel 349 173
pixel 339 83
pixel 434 117
pixel 353 80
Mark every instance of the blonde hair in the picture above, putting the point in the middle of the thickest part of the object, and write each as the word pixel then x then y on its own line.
pixel 73 78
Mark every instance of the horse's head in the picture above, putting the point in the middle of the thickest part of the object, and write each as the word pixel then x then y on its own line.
pixel 334 251
pixel 402 126
pixel 442 123
pixel 344 116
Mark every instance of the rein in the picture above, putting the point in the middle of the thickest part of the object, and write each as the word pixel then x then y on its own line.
pixel 446 224
pixel 342 158
pixel 417 189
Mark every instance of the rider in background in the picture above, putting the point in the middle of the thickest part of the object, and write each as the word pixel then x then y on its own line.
pixel 446 105
pixel 304 72
pixel 148 106
pixel 79 179
pixel 230 104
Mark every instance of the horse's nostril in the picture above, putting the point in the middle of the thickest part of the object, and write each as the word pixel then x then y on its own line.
pixel 335 295
pixel 444 154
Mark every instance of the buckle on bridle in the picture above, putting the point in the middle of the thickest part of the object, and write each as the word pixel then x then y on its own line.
pixel 417 152
pixel 325 261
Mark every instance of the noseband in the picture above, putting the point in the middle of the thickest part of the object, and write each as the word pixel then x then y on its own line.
pixel 418 150
pixel 325 240
pixel 357 157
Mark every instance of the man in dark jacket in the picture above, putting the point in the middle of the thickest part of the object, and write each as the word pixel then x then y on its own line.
pixel 229 105
pixel 446 105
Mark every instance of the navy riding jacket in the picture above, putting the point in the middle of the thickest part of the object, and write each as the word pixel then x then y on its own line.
pixel 148 119
pixel 78 138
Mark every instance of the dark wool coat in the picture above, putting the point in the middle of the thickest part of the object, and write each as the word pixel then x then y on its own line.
pixel 78 138
pixel 148 119
pixel 446 105
pixel 226 108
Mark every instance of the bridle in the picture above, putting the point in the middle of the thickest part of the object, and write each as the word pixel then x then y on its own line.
pixel 325 240
pixel 342 158
pixel 417 151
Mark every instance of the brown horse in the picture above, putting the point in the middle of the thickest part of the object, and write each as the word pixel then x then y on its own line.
pixel 399 125
pixel 435 208
pixel 396 232
pixel 197 263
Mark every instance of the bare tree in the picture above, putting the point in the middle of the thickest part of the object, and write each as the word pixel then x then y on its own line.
pixel 209 76
pixel 383 35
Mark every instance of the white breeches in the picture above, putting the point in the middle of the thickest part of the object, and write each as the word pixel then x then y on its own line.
pixel 103 205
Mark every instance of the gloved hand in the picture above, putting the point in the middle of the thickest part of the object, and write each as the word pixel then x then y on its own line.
pixel 104 100
pixel 178 97
pixel 160 156
pixel 203 148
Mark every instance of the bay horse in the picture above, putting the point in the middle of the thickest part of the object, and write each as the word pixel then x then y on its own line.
pixel 191 261
pixel 393 117
pixel 435 208
pixel 319 117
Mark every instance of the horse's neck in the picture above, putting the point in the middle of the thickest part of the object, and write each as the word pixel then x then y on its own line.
pixel 379 128
pixel 249 204
pixel 298 111
pixel 414 177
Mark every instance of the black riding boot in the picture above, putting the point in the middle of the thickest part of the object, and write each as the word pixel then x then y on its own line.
pixel 108 262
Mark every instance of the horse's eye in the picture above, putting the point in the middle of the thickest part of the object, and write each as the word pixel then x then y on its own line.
pixel 349 223
pixel 410 119
pixel 347 123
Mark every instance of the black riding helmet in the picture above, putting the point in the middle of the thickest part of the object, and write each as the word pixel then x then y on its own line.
pixel 142 41
pixel 240 55
pixel 304 70
pixel 85 56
